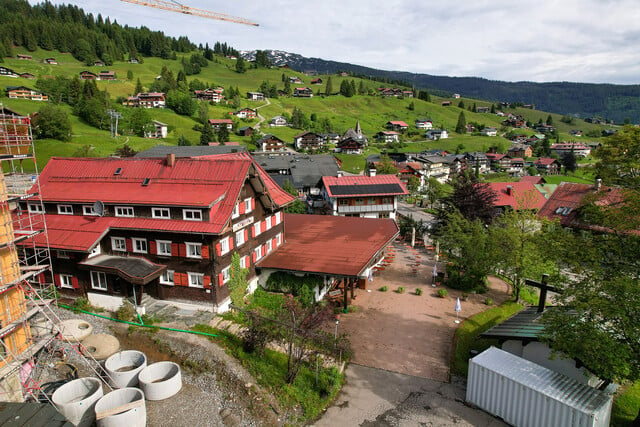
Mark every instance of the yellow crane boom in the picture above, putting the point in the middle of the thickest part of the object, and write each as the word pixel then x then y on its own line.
pixel 177 7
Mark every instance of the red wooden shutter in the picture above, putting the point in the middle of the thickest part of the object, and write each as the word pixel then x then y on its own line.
pixel 206 282
pixel 56 280
pixel 253 203
pixel 220 280
pixel 274 243
pixel 40 278
pixel 254 256
pixel 204 251
pixel 152 247
pixel 230 243
pixel 218 249
pixel 74 282
pixel 242 208
pixel 128 245
pixel 253 230
pixel 246 235
pixel 247 262
pixel 263 226
pixel 180 279
pixel 174 249
pixel 182 250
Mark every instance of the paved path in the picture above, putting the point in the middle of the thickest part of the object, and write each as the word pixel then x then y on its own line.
pixel 262 119
pixel 373 397
pixel 406 209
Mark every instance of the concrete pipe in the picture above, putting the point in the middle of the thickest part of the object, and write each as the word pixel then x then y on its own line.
pixel 122 407
pixel 123 368
pixel 76 400
pixel 100 346
pixel 75 329
pixel 40 326
pixel 160 380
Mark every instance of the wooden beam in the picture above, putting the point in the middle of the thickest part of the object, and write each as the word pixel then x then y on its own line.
pixel 119 409
pixel 352 282
pixel 344 293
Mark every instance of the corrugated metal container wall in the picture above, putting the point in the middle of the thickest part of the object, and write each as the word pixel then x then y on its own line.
pixel 529 395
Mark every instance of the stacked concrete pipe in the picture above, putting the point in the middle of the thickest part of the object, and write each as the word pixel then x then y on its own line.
pixel 122 407
pixel 76 400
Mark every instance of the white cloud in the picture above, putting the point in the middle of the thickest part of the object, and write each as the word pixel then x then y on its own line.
pixel 537 40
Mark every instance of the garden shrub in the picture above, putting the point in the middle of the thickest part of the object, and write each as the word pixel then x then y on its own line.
pixel 442 293
pixel 400 290
pixel 126 311
pixel 488 301
pixel 418 291
pixel 299 286
pixel 384 289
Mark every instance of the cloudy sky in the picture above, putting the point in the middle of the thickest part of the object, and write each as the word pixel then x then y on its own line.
pixel 592 41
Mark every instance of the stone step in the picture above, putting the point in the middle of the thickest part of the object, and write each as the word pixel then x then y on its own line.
pixel 215 321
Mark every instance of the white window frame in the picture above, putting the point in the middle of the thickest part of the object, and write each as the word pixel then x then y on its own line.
pixel 160 213
pixel 243 262
pixel 125 211
pixel 258 252
pixel 268 221
pixel 115 244
pixel 247 205
pixel 278 216
pixel 269 246
pixel 193 278
pixel 194 250
pixel 65 210
pixel 143 242
pixel 192 214
pixel 226 274
pixel 35 208
pixel 159 244
pixel 98 280
pixel 236 211
pixel 256 229
pixel 240 238
pixel 66 281
pixel 278 239
pixel 224 246
pixel 87 210
pixel 164 278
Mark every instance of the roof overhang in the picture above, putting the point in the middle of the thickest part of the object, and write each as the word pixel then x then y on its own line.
pixel 137 271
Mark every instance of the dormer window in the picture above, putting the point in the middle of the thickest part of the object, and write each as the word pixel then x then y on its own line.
pixel 236 211
pixel 65 209
pixel 125 211
pixel 160 213
pixel 192 214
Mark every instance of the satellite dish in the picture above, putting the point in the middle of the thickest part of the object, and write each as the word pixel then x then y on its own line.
pixel 98 208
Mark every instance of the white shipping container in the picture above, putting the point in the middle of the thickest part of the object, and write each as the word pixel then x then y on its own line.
pixel 529 395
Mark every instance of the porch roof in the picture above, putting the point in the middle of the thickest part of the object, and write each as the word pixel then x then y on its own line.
pixel 138 271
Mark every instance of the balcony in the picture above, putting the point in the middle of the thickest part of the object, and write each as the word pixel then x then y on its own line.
pixel 365 208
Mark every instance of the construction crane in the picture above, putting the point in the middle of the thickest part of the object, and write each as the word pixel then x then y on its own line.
pixel 174 6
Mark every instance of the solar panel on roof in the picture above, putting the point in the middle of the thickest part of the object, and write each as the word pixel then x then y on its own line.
pixel 344 190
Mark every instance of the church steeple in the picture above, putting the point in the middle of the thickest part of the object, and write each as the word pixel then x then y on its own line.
pixel 358 128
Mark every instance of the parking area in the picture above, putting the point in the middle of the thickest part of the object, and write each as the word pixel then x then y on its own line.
pixel 404 332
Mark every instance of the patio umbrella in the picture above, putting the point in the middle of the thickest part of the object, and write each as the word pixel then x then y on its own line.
pixel 435 274
pixel 457 309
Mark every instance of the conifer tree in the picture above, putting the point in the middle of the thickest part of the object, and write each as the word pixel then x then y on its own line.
pixel 461 127
pixel 329 88
pixel 240 65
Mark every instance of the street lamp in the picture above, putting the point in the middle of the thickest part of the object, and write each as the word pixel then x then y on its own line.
pixel 335 337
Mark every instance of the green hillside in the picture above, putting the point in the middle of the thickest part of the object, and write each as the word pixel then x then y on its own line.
pixel 371 110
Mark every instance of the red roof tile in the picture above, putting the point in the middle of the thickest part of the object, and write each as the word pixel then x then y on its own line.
pixel 330 182
pixel 532 179
pixel 544 161
pixel 330 244
pixel 521 195
pixel 398 123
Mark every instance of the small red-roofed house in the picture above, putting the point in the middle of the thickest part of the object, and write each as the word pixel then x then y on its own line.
pixel 547 166
pixel 397 125
pixel 517 196
pixel 217 123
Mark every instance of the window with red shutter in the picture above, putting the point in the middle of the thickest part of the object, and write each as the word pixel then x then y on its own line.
pixel 218 249
pixel 152 247
pixel 182 248
pixel 74 282
pixel 253 204
pixel 246 235
pixel 174 249
pixel 205 251
pixel 254 256
pixel 274 243
pixel 263 226
pixel 128 245
pixel 56 280
pixel 206 282
pixel 220 280
pixel 230 242
pixel 241 208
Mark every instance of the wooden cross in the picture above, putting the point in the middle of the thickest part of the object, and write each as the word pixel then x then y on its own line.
pixel 544 287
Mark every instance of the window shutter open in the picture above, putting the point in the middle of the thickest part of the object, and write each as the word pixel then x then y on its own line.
pixel 180 279
pixel 182 248
pixel 74 282
pixel 204 251
pixel 220 280
pixel 246 261
pixel 128 245
pixel 246 235
pixel 206 282
pixel 218 249
pixel 56 280
pixel 241 208
pixel 254 257
pixel 230 243
pixel 174 249
pixel 253 203
pixel 263 226
pixel 274 243
pixel 152 247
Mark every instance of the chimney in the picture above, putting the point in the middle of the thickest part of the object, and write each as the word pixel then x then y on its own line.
pixel 372 172
pixel 171 160
pixel 598 184
pixel 509 190
pixel 339 174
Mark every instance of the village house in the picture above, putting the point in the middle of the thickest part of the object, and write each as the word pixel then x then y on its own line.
pixel 446 103
pixel 255 96
pixel 88 75
pixel 331 138
pixel 396 125
pixel 436 134
pixel 164 227
pixel 423 124
pixel 160 130
pixel 24 57
pixel 309 141
pixel 107 75
pixel 520 150
pixel 435 166
pixel 217 123
pixel 477 161
pixel 482 109
pixel 547 166
pixel 98 64
pixel 147 100
pixel 303 92
pixel 7 72
pixel 27 76
pixel 278 121
pixel 516 166
pixel 295 80
pixel 212 95
pixel 544 128
pixel 303 172
pixel 575 132
pixel 23 92
pixel 350 145
pixel 246 113
pixel 579 150
pixel 407 170
pixel 456 96
pixel 355 134
pixel 50 61
pixel 245 131
pixel 317 81
pixel 271 143
pixel 498 162
pixel 489 131
pixel 363 196
pixel 520 195
pixel 387 136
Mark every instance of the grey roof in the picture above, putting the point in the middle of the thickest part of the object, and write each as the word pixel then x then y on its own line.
pixel 191 151
pixel 268 137
pixel 522 326
pixel 302 170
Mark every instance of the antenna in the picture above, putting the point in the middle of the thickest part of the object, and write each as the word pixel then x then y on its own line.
pixel 98 208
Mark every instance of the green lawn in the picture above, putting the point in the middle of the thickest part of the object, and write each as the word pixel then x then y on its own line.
pixel 625 406
pixel 557 179
pixel 466 339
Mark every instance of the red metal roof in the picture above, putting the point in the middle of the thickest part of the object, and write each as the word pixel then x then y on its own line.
pixel 333 181
pixel 220 121
pixel 399 123
pixel 330 244
pixel 544 161
pixel 521 195
pixel 533 179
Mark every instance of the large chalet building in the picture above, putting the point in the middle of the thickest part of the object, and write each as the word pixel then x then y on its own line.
pixel 166 227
